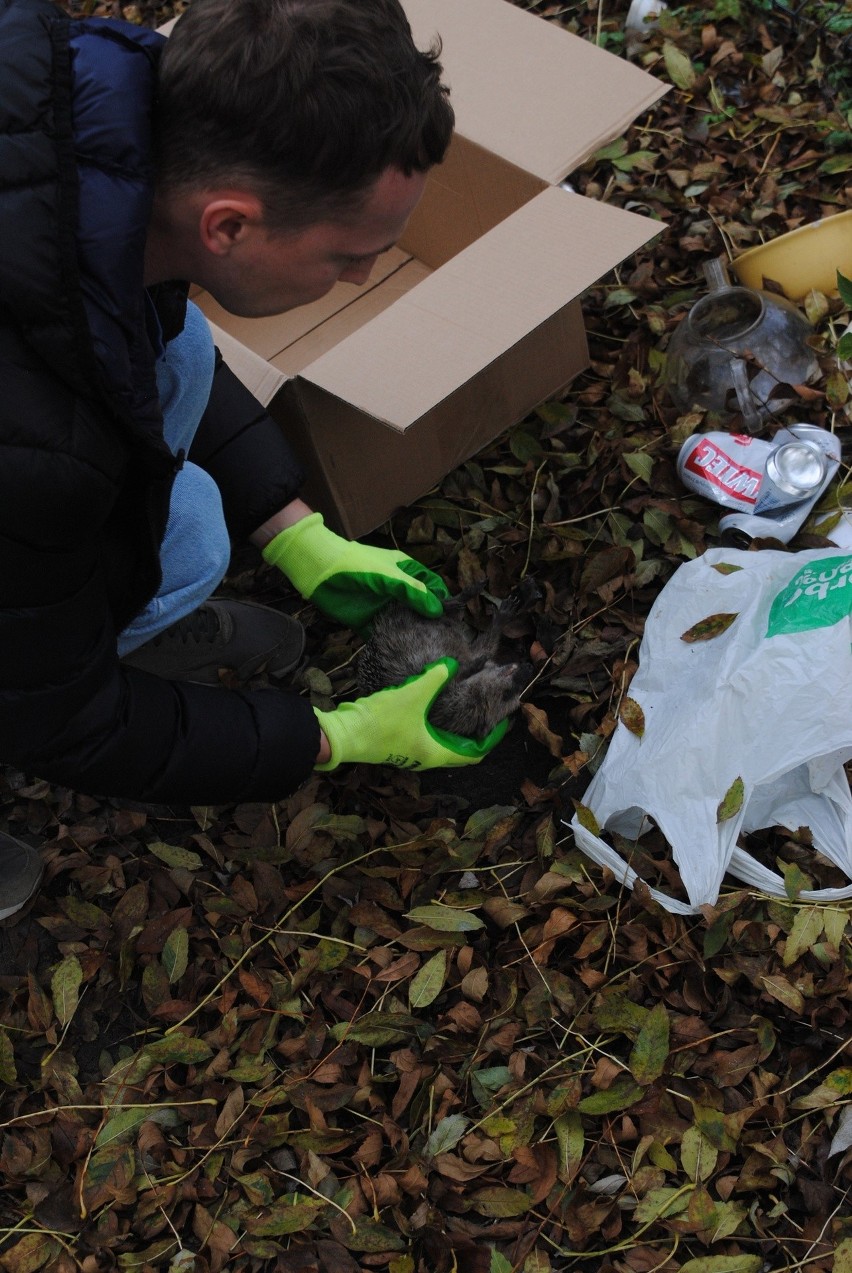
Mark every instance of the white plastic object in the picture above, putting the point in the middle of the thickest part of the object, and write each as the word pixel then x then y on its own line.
pixel 643 14
pixel 767 701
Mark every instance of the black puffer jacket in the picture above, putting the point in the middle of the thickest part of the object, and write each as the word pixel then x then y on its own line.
pixel 84 473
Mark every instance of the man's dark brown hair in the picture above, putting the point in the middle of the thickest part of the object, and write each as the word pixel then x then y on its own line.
pixel 305 102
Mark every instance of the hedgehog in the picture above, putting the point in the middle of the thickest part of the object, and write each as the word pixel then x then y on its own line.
pixel 483 692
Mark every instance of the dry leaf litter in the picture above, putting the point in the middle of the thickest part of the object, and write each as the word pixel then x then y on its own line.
pixel 400 1023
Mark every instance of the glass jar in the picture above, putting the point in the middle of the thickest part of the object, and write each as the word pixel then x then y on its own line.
pixel 739 352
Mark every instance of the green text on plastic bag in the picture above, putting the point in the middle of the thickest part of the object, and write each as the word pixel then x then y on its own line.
pixel 819 596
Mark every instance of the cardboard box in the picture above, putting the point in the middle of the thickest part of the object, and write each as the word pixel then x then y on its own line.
pixel 475 317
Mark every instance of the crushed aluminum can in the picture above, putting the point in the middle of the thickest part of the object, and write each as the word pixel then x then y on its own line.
pixel 724 467
pixel 771 486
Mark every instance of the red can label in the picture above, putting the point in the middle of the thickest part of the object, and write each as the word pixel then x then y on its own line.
pixel 707 459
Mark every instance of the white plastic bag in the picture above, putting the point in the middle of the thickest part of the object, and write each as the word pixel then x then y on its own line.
pixel 767 701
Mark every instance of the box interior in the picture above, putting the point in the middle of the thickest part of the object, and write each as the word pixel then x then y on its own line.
pixel 472 191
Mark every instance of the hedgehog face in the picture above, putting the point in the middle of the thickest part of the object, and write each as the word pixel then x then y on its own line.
pixel 473 704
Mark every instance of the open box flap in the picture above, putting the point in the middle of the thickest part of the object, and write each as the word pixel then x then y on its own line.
pixel 258 375
pixel 527 89
pixel 478 305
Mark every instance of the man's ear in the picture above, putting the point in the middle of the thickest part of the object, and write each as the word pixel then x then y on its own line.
pixel 226 219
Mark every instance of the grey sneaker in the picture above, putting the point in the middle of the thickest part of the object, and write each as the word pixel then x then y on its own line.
pixel 20 874
pixel 238 635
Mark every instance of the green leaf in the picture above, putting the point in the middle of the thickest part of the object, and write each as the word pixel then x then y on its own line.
pixel 149 1256
pixel 834 922
pixel 625 408
pixel 178 1048
pixel 844 347
pixel 726 568
pixel 587 819
pixel 317 681
pixel 122 1125
pixel 341 826
pixel 370 1237
pixel 722 1130
pixel 402 1264
pixel 484 1083
pixel 680 70
pixel 658 526
pixel 291 1216
pixel 447 919
pixel 844 286
pixel 570 1138
pixel 614 150
pixel 86 914
pixel 836 163
pixel 31 1253
pixel 661 1158
pixel 499 1263
pixel 330 954
pixel 124 1077
pixel 446 1135
pixel 496 818
pixel 650 1052
pixel 729 1216
pixel 622 1093
pixel 376 1029
pixel 816 307
pixel 619 296
pixel 836 389
pixel 843 1257
pixel 525 446
pixel 258 1188
pixel 500 1203
pixel 732 801
pixel 176 954
pixel 641 463
pixel 660 1204
pixel 65 988
pixel 428 982
pixel 697 1154
pixel 173 855
pixel 795 880
pixel 717 934
pixel 805 933
pixel 615 1011
pixel 644 160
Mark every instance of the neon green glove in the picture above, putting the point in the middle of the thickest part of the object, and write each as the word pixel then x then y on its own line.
pixel 349 581
pixel 391 727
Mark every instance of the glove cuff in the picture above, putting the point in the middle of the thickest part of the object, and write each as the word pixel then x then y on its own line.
pixel 335 726
pixel 304 550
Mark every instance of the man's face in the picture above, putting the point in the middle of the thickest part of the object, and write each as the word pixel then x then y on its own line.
pixel 276 271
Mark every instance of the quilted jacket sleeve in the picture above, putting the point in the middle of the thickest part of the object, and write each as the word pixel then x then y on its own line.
pixel 70 712
pixel 246 453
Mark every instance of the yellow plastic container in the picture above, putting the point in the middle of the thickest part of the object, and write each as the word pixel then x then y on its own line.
pixel 802 260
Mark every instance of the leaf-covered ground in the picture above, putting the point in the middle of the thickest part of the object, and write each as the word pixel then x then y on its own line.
pixel 401 1023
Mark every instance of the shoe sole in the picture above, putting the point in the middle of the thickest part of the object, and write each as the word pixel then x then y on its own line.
pixel 8 911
